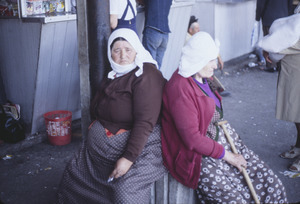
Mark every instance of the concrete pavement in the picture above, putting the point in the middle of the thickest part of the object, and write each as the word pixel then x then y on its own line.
pixel 251 111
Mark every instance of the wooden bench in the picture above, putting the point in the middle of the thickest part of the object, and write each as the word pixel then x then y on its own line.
pixel 167 190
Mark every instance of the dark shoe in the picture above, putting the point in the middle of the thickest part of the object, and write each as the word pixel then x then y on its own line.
pixel 224 93
pixel 270 69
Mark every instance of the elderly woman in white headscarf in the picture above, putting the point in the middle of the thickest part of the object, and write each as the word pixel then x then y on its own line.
pixel 195 149
pixel 121 158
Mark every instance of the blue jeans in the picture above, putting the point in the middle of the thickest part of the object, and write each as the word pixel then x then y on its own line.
pixel 156 43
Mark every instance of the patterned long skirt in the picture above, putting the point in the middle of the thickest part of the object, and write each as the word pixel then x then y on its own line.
pixel 221 182
pixel 85 177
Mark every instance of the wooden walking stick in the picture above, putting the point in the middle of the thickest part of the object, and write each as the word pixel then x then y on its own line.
pixel 246 176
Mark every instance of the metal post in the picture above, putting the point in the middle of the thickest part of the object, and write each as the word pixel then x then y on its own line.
pixel 93 31
pixel 98 33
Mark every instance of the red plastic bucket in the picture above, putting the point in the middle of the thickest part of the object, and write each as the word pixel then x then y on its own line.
pixel 58 124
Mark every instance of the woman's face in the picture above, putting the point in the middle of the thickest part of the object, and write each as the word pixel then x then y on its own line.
pixel 123 53
pixel 195 28
pixel 208 70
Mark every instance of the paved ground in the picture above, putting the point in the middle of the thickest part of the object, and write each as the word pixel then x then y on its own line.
pixel 251 111
pixel 33 173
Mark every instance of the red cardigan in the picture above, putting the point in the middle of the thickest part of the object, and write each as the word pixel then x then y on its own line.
pixel 187 112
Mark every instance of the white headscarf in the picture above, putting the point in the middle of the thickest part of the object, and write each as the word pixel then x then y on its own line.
pixel 142 55
pixel 197 53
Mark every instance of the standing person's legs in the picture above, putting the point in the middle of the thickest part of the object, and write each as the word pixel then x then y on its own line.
pixel 266 30
pixel 152 40
pixel 295 150
pixel 269 66
pixel 162 48
pixel 296 164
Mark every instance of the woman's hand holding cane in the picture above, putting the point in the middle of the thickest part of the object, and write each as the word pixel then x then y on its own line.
pixel 236 160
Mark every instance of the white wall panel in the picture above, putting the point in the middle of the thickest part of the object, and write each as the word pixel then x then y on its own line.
pixel 230 23
pixel 58 85
pixel 233 27
pixel 39 67
pixel 19 53
pixel 178 21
